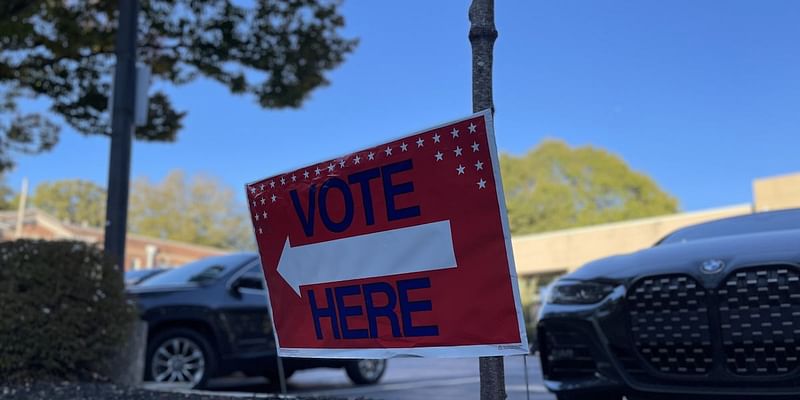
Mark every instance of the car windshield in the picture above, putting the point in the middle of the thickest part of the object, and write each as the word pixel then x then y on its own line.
pixel 201 271
pixel 139 273
pixel 752 223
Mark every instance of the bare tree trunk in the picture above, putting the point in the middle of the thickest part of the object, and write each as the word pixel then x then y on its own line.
pixel 482 34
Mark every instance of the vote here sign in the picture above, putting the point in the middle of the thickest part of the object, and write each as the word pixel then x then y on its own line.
pixel 397 249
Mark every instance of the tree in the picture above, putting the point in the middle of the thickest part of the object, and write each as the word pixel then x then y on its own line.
pixel 201 211
pixel 198 210
pixel 555 186
pixel 277 51
pixel 75 201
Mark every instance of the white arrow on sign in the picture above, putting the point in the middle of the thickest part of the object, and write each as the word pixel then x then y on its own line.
pixel 418 248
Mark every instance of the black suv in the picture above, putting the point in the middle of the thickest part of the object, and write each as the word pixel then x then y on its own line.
pixel 711 311
pixel 210 318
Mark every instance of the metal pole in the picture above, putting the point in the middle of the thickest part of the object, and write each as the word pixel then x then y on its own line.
pixel 121 132
pixel 281 374
pixel 527 384
pixel 482 35
pixel 23 198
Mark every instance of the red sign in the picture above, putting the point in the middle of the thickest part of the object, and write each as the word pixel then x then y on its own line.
pixel 397 249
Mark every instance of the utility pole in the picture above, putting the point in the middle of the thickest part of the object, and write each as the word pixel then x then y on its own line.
pixel 23 197
pixel 126 366
pixel 482 35
pixel 121 132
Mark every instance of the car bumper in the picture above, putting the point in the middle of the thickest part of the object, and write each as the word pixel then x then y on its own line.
pixel 587 349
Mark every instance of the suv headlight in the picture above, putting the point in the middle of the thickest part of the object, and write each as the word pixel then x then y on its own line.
pixel 576 292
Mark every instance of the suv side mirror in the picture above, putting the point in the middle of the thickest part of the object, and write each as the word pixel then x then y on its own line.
pixel 247 282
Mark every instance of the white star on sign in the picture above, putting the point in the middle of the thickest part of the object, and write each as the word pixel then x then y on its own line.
pixel 420 142
pixel 265 215
pixel 260 231
pixel 253 190
pixel 478 165
pixel 305 174
pixel 388 151
pixel 261 187
pixel 371 156
pixel 263 201
pixel 357 160
pixel 439 156
pixel 331 166
pixel 457 151
pixel 256 216
pixel 460 169
pixel 274 198
pixel 341 163
pixel 403 147
pixel 471 127
pixel 481 184
pixel 317 171
pixel 436 138
pixel 283 181
pixel 272 184
pixel 475 147
pixel 294 178
pixel 254 203
pixel 454 132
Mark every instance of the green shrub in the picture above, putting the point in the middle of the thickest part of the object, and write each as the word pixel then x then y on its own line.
pixel 63 310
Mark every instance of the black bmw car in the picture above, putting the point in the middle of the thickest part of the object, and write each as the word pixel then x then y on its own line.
pixel 712 310
pixel 210 318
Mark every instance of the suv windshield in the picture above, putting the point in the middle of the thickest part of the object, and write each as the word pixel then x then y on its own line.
pixel 200 271
pixel 751 223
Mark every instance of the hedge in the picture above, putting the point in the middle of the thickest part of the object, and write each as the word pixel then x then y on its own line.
pixel 63 310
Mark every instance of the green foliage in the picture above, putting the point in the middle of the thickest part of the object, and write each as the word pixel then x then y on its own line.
pixel 200 210
pixel 277 51
pixel 73 200
pixel 63 310
pixel 556 187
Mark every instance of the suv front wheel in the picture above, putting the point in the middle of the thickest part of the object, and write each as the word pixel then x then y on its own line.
pixel 366 372
pixel 180 356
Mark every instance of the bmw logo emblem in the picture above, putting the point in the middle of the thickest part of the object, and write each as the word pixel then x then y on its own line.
pixel 712 266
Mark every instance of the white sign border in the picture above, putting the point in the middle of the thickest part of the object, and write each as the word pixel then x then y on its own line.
pixel 458 351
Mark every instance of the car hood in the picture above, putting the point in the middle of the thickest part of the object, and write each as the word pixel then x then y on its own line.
pixel 734 251
pixel 137 290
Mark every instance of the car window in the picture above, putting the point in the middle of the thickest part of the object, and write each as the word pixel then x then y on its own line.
pixel 253 278
pixel 201 271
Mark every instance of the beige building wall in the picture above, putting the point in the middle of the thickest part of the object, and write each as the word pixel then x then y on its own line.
pixel 565 250
pixel 777 192
pixel 542 257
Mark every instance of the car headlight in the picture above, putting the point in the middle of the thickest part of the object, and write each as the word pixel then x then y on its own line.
pixel 575 292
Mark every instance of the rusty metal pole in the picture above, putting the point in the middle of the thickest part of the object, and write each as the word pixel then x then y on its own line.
pixel 482 35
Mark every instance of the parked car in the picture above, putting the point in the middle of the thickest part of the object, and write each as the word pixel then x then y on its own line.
pixel 210 318
pixel 712 309
pixel 137 276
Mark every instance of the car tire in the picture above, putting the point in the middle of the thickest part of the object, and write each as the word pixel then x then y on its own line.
pixel 184 349
pixel 590 395
pixel 366 372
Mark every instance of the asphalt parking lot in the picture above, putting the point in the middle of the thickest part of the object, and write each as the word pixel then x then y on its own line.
pixel 406 378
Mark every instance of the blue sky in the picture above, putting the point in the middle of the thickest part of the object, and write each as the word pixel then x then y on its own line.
pixel 703 96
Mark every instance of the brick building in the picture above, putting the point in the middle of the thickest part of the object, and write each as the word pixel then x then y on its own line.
pixel 141 251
